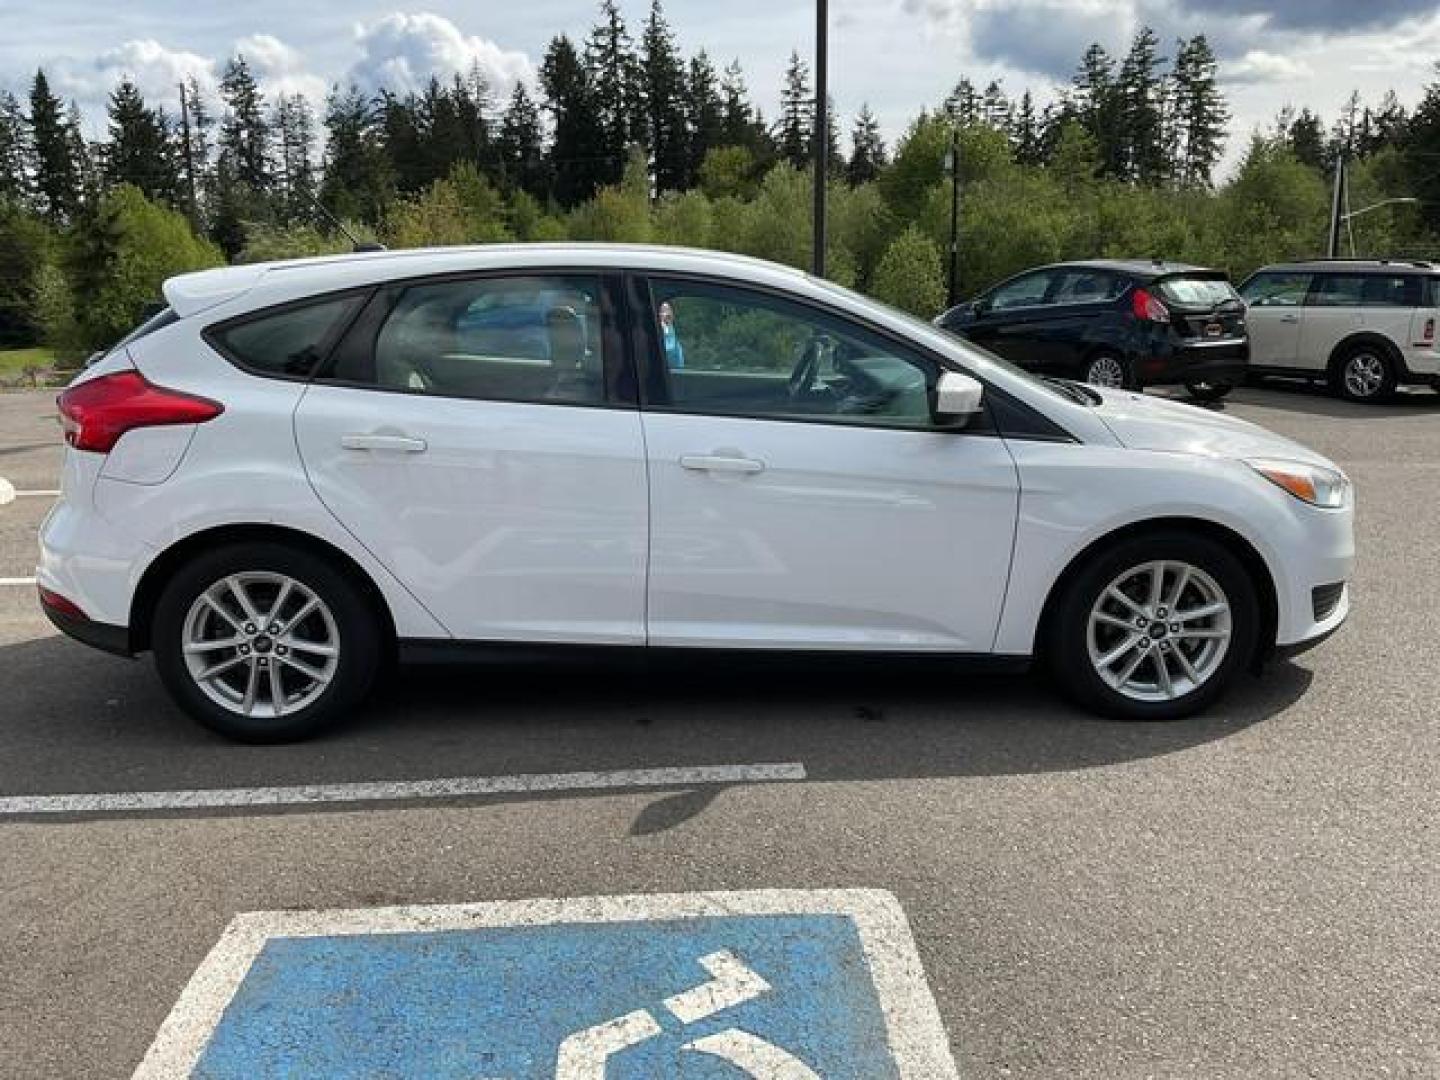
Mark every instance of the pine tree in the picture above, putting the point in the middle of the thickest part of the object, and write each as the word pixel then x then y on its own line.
pixel 14 151
pixel 55 166
pixel 521 143
pixel 1095 104
pixel 797 112
pixel 867 149
pixel 140 150
pixel 1200 112
pixel 616 82
pixel 1025 132
pixel 963 105
pixel 1142 91
pixel 294 126
pixel 579 150
pixel 664 93
pixel 1422 152
pixel 741 124
pixel 1304 134
pixel 995 107
pixel 244 134
pixel 704 114
pixel 358 179
pixel 1387 125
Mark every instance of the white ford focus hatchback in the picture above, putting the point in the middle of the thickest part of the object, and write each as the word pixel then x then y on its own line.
pixel 298 470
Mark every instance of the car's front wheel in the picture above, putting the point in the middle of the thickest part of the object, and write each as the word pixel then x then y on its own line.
pixel 1155 628
pixel 264 642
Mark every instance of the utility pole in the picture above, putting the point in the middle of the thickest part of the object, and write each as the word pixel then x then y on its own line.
pixel 1332 248
pixel 819 131
pixel 187 151
pixel 952 162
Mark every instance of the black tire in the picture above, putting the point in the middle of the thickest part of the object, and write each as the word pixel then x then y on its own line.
pixel 1364 374
pixel 357 627
pixel 1209 391
pixel 1066 641
pixel 1106 360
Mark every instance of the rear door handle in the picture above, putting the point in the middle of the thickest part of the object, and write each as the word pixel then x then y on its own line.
pixel 403 443
pixel 721 463
pixel 1289 318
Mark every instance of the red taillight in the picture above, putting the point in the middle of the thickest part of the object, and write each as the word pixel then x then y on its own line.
pixel 95 414
pixel 1147 307
pixel 60 604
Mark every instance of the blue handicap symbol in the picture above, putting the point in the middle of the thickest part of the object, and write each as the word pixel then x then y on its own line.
pixel 779 997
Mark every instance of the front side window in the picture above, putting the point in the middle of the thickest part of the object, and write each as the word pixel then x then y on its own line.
pixel 1026 291
pixel 1339 290
pixel 290 341
pixel 1276 289
pixel 732 352
pixel 523 339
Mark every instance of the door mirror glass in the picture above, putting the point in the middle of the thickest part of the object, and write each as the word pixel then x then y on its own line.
pixel 957 398
pixel 980 306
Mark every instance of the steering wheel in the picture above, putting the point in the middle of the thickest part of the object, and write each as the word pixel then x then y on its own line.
pixel 807 366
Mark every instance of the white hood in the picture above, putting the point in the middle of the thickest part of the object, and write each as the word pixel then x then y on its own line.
pixel 1152 423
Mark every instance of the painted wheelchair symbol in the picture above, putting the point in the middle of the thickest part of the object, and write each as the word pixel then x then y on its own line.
pixel 583 1055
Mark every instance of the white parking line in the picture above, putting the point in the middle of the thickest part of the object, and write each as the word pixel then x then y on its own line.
pixel 17 581
pixel 8 494
pixel 397 790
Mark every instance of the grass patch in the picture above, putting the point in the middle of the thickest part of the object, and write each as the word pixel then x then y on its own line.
pixel 15 361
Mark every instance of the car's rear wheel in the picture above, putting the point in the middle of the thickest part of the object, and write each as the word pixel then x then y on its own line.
pixel 1108 370
pixel 1208 391
pixel 1155 628
pixel 1363 373
pixel 265 642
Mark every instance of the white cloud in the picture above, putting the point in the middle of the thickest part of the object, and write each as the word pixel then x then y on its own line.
pixel 279 68
pixel 1259 66
pixel 156 70
pixel 403 52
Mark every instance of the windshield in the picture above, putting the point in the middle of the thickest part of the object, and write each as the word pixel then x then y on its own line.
pixel 1054 388
pixel 1206 292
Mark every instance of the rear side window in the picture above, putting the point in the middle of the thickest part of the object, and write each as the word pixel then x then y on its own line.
pixel 1196 291
pixel 493 338
pixel 1276 289
pixel 288 341
pixel 1367 290
pixel 1085 286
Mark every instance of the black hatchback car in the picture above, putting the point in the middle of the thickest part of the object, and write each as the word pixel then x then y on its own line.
pixel 1115 323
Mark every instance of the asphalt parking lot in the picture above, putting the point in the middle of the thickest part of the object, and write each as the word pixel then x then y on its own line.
pixel 1253 893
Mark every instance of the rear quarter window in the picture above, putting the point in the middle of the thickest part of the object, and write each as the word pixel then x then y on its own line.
pixel 290 341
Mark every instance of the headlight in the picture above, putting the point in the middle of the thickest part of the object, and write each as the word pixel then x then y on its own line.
pixel 1313 484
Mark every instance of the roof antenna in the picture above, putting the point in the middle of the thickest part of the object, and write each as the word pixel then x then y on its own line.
pixel 358 246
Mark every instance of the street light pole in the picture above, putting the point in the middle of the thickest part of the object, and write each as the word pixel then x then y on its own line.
pixel 820 131
pixel 952 161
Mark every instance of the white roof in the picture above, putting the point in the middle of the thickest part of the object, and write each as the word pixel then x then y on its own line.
pixel 241 288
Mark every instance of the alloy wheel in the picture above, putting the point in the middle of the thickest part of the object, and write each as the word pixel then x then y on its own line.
pixel 1364 375
pixel 261 644
pixel 1159 631
pixel 1106 371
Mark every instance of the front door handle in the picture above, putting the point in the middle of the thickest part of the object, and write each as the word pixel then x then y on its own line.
pixel 374 441
pixel 1289 318
pixel 721 463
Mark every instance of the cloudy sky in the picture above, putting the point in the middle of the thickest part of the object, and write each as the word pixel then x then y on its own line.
pixel 897 55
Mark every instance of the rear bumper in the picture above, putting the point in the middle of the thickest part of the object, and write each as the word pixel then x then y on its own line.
pixel 98 635
pixel 1226 361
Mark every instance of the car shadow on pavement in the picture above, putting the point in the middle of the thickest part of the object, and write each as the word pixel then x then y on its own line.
pixel 1301 397
pixel 81 722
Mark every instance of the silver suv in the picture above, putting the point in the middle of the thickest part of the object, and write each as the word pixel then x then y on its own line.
pixel 1362 326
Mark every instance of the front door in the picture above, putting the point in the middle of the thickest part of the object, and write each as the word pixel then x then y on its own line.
pixel 473 435
pixel 801 496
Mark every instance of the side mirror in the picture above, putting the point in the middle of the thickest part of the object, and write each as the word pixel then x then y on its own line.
pixel 957 398
pixel 980 307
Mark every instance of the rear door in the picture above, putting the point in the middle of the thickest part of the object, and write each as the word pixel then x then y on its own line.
pixel 480 437
pixel 1334 311
pixel 1276 302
